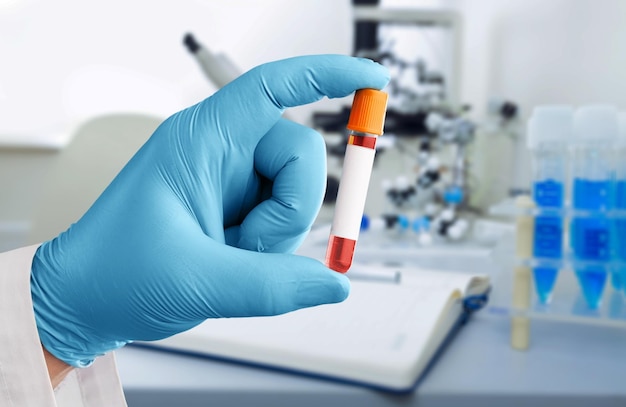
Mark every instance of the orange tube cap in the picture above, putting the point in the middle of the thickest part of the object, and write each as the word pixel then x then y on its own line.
pixel 368 111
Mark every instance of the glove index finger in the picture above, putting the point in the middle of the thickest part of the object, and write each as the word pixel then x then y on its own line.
pixel 258 98
pixel 302 80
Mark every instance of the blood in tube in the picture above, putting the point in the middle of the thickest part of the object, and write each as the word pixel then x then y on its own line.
pixel 366 121
pixel 340 253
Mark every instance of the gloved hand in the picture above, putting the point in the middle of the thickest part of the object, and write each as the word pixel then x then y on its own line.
pixel 200 223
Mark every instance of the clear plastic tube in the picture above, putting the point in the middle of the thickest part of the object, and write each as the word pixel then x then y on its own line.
pixel 549 131
pixel 618 275
pixel 596 131
pixel 353 186
pixel 365 124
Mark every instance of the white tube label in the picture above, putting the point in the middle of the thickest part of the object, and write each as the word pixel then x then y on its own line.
pixel 353 186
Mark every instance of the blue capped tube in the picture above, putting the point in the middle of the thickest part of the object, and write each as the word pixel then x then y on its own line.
pixel 549 132
pixel 618 275
pixel 596 132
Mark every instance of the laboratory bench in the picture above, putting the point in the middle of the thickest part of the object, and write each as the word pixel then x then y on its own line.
pixel 567 365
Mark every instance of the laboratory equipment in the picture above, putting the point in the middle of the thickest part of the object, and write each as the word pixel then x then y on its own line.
pixel 596 131
pixel 395 224
pixel 576 175
pixel 421 48
pixel 217 67
pixel 549 132
pixel 421 227
pixel 520 323
pixel 439 199
pixel 425 121
pixel 515 299
pixel 459 132
pixel 504 110
pixel 618 274
pixel 366 123
pixel 429 173
pixel 449 225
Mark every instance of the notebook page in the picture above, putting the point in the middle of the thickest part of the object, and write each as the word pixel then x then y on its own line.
pixel 379 334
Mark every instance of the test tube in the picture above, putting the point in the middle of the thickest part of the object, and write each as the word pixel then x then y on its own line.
pixel 549 132
pixel 520 323
pixel 596 131
pixel 618 276
pixel 366 121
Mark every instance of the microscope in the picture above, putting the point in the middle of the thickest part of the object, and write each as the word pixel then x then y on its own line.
pixel 421 49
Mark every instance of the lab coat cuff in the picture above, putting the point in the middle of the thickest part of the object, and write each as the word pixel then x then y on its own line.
pixel 24 379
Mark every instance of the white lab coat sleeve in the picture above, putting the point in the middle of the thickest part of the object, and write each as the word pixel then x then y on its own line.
pixel 24 380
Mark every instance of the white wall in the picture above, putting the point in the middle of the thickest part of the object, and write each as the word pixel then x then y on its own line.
pixel 63 60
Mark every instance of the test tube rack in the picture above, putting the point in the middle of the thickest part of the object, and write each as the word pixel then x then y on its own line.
pixel 567 303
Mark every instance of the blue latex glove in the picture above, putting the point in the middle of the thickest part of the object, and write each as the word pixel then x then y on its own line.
pixel 200 223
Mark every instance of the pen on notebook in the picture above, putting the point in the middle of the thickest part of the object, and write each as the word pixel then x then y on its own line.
pixel 384 276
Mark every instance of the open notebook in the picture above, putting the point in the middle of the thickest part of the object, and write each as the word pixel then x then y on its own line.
pixel 384 335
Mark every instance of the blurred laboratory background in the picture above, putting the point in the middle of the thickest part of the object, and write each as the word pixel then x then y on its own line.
pixel 465 77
